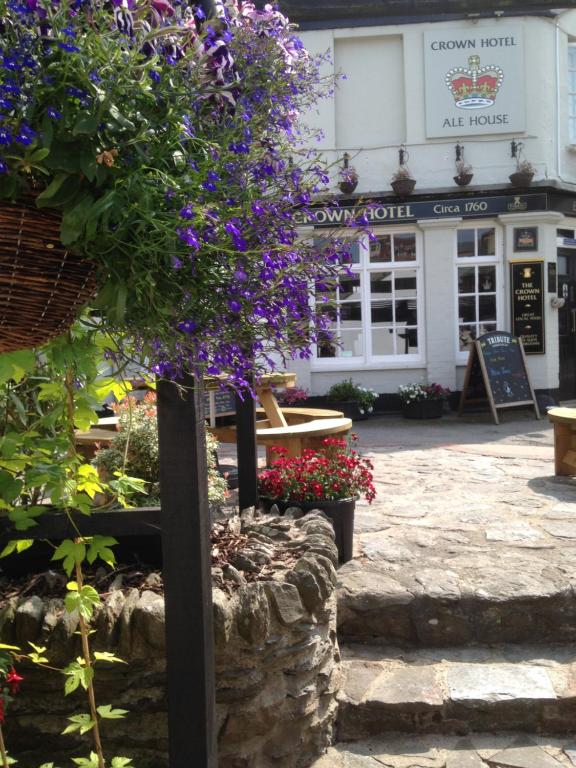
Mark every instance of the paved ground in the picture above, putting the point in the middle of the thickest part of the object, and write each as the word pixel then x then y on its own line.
pixel 465 510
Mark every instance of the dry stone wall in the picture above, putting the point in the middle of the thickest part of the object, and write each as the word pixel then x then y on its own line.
pixel 277 660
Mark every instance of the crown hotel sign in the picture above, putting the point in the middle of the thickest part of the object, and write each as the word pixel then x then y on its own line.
pixel 474 81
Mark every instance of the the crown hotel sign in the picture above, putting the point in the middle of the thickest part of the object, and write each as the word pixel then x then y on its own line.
pixel 474 81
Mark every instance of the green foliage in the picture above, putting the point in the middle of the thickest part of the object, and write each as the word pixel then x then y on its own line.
pixel 347 391
pixel 135 450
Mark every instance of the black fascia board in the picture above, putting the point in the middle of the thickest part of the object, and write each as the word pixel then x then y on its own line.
pixel 388 21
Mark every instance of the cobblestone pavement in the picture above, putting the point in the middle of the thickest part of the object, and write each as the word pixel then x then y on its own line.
pixel 465 508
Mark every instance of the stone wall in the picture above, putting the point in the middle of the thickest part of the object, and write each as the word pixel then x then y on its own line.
pixel 277 661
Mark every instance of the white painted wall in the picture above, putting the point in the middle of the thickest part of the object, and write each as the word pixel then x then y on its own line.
pixel 381 104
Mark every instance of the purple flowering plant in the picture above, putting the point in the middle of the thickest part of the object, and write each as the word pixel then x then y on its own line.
pixel 173 146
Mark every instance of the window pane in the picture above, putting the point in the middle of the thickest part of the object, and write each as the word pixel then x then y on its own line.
pixel 405 283
pixel 486 328
pixel 572 56
pixel 486 279
pixel 352 343
pixel 382 341
pixel 467 309
pixel 327 310
pixel 406 312
pixel 380 284
pixel 326 347
pixel 406 341
pixel 486 242
pixel 467 334
pixel 572 80
pixel 487 307
pixel 353 249
pixel 351 314
pixel 466 279
pixel 380 249
pixel 382 312
pixel 405 247
pixel 466 238
pixel 349 287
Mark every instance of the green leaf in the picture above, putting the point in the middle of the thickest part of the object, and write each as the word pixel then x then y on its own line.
pixel 71 553
pixel 88 122
pixel 107 711
pixel 121 762
pixel 39 155
pixel 83 601
pixel 77 673
pixel 18 545
pixel 87 762
pixel 100 547
pixel 51 189
pixel 107 656
pixel 36 656
pixel 82 723
pixel 15 365
pixel 6 647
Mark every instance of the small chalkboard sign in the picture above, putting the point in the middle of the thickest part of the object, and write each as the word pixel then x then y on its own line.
pixel 497 372
pixel 218 403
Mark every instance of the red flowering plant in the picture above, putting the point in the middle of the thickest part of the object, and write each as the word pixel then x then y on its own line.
pixel 335 471
pixel 9 686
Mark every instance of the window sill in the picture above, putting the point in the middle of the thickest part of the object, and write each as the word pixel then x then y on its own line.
pixel 340 364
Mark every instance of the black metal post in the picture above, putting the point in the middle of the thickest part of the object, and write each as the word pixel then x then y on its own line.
pixel 247 451
pixel 186 553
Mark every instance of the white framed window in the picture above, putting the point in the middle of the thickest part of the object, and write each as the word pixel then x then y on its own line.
pixel 376 310
pixel 478 284
pixel 572 92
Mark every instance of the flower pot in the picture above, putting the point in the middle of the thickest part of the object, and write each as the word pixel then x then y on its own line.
pixel 339 511
pixel 350 409
pixel 347 187
pixel 423 409
pixel 43 285
pixel 463 179
pixel 403 187
pixel 521 179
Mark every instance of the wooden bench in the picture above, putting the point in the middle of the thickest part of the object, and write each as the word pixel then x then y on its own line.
pixel 564 420
pixel 297 437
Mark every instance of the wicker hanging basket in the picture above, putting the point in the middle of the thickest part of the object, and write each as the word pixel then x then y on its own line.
pixel 42 285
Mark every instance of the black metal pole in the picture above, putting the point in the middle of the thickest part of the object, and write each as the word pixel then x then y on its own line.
pixel 247 451
pixel 186 553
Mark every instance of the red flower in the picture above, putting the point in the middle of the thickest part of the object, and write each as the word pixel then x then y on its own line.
pixel 14 679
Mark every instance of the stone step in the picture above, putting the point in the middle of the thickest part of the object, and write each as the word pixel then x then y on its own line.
pixel 503 598
pixel 480 750
pixel 457 690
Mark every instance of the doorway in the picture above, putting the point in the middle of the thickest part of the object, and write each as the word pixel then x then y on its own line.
pixel 567 322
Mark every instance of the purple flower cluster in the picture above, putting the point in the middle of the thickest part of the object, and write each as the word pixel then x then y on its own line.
pixel 181 167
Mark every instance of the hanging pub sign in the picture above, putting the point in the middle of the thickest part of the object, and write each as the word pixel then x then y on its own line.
pixel 497 372
pixel 527 301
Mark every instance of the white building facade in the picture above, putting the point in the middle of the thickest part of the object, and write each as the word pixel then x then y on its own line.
pixel 447 263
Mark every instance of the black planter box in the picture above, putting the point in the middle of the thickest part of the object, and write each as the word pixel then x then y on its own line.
pixel 423 409
pixel 349 408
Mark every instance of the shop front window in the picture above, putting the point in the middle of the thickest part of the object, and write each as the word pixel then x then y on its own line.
pixel 478 284
pixel 374 312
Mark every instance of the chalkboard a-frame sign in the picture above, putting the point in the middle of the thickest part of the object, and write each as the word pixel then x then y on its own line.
pixel 497 372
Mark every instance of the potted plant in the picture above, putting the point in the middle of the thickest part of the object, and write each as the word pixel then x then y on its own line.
pixel 423 401
pixel 403 182
pixel 330 479
pixel 464 174
pixel 354 401
pixel 291 396
pixel 523 175
pixel 347 176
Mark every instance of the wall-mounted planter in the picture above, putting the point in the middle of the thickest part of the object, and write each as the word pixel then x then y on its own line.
pixel 463 179
pixel 521 179
pixel 347 187
pixel 403 187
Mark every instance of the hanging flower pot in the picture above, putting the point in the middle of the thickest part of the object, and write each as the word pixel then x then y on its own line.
pixel 403 187
pixel 463 179
pixel 521 178
pixel 347 187
pixel 42 285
